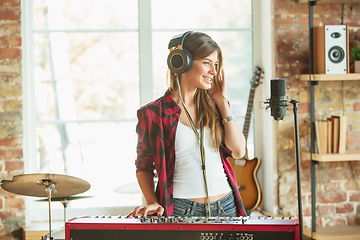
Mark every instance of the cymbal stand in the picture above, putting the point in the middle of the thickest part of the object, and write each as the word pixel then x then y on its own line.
pixel 48 189
pixel 65 207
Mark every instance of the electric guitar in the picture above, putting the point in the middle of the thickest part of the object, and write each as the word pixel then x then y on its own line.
pixel 245 169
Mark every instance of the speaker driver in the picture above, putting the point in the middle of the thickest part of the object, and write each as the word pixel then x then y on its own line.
pixel 177 61
pixel 336 54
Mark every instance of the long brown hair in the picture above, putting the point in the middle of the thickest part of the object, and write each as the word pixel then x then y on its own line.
pixel 201 45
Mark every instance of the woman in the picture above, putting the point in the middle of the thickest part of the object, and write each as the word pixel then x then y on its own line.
pixel 187 135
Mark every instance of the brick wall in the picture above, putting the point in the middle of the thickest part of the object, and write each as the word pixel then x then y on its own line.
pixel 338 195
pixel 11 156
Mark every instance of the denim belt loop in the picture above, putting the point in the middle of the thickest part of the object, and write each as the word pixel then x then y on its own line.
pixel 219 206
pixel 193 208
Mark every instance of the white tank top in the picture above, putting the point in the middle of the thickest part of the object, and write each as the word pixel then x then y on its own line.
pixel 188 176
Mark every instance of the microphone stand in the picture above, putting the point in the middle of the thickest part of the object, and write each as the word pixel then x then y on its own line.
pixel 280 102
pixel 297 150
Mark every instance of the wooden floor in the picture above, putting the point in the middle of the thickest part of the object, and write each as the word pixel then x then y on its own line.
pixel 38 230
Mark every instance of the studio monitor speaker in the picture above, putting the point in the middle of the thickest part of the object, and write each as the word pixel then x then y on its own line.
pixel 331 49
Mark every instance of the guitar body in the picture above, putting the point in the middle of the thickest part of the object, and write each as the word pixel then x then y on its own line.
pixel 247 181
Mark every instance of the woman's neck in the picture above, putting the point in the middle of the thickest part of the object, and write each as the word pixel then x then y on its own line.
pixel 187 95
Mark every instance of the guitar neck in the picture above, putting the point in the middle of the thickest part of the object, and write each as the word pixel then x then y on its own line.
pixel 250 106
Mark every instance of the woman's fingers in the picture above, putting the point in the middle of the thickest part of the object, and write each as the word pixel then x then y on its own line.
pixel 148 210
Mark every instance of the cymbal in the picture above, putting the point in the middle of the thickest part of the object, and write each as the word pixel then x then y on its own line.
pixel 63 199
pixel 128 188
pixel 35 185
pixel 131 187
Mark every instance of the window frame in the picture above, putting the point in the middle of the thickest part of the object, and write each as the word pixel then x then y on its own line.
pixel 145 67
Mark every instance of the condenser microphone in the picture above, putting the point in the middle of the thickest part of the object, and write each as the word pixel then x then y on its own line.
pixel 278 101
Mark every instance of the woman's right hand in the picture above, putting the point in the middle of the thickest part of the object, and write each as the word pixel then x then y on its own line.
pixel 150 209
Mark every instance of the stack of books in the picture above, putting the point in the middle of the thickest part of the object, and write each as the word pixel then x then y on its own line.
pixel 331 134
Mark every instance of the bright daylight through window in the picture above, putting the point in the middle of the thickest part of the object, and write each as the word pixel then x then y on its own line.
pixel 87 82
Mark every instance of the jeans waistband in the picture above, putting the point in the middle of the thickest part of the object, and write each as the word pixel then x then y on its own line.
pixel 216 203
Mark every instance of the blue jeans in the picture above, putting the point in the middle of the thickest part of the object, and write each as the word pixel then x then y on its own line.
pixel 224 207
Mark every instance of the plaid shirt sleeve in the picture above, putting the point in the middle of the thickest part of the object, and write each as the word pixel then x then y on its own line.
pixel 144 159
pixel 156 127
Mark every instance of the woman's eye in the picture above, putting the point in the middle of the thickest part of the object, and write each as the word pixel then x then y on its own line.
pixel 206 63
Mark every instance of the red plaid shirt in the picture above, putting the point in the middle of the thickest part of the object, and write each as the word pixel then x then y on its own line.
pixel 156 128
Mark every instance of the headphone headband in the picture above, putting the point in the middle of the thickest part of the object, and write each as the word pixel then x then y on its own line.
pixel 178 40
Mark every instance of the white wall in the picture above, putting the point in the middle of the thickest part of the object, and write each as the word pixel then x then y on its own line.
pixel 264 57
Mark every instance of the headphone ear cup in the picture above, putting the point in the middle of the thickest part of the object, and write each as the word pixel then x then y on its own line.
pixel 189 59
pixel 180 61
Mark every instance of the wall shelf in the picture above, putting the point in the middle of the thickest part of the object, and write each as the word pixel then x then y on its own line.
pixel 330 77
pixel 350 155
pixel 335 233
pixel 331 232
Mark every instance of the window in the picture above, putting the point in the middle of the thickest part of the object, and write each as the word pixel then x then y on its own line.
pixel 90 69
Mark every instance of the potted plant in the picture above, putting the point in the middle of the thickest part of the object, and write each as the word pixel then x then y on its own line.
pixel 355 54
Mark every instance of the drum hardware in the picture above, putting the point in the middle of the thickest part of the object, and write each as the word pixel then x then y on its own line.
pixel 46 237
pixel 54 234
pixel 48 189
pixel 131 188
pixel 45 185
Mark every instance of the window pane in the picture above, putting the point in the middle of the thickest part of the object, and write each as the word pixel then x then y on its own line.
pixel 85 14
pixel 101 153
pixel 49 152
pixel 237 53
pixel 86 75
pixel 39 11
pixel 190 14
pixel 160 53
